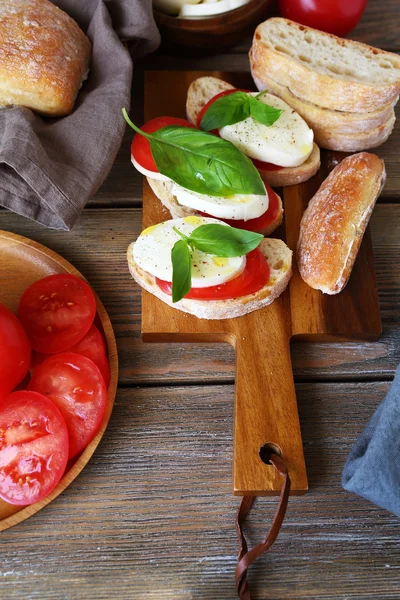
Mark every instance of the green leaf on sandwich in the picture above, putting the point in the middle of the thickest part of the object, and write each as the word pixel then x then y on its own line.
pixel 202 162
pixel 219 240
pixel 237 107
pixel 181 270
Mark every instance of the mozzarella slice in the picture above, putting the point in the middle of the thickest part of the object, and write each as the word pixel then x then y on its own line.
pixel 152 252
pixel 147 173
pixel 286 143
pixel 171 7
pixel 238 206
pixel 207 9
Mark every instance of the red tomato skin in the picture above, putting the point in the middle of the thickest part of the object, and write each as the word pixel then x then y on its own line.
pixel 33 447
pixel 259 223
pixel 333 16
pixel 76 386
pixel 140 148
pixel 93 346
pixel 259 164
pixel 255 275
pixel 57 311
pixel 15 351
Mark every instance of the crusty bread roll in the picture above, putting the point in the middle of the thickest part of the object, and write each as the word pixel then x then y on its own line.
pixel 163 191
pixel 279 259
pixel 335 220
pixel 204 88
pixel 326 70
pixel 44 57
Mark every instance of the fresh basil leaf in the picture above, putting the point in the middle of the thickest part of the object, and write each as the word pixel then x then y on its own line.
pixel 181 270
pixel 224 241
pixel 263 113
pixel 226 110
pixel 201 162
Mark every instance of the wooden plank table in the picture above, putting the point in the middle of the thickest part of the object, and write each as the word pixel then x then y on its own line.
pixel 151 516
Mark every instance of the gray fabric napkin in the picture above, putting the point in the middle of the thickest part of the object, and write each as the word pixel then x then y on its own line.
pixel 372 469
pixel 49 168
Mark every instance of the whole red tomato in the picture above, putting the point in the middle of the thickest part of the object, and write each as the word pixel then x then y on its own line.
pixel 333 16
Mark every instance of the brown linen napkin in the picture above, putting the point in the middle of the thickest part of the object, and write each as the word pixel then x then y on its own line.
pixel 49 168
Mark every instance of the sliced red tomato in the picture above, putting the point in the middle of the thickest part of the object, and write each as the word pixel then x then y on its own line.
pixel 140 148
pixel 15 351
pixel 259 164
pixel 33 447
pixel 57 312
pixel 91 345
pixel 76 386
pixel 255 275
pixel 259 223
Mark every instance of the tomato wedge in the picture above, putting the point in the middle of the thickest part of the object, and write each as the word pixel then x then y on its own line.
pixel 76 386
pixel 255 275
pixel 33 447
pixel 15 351
pixel 140 149
pixel 92 345
pixel 260 223
pixel 259 164
pixel 57 312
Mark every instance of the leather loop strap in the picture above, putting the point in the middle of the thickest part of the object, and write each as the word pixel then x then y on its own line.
pixel 246 557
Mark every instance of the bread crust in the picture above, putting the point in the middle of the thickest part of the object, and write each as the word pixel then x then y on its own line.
pixel 204 88
pixel 336 91
pixel 162 189
pixel 279 258
pixel 335 220
pixel 44 57
pixel 323 120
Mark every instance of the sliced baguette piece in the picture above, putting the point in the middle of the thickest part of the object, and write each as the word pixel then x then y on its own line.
pixel 163 191
pixel 326 70
pixel 335 220
pixel 279 259
pixel 324 120
pixel 204 88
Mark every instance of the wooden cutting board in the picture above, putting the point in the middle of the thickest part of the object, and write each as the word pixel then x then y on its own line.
pixel 265 399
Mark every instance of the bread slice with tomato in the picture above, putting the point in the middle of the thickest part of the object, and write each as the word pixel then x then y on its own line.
pixel 263 277
pixel 205 90
pixel 261 213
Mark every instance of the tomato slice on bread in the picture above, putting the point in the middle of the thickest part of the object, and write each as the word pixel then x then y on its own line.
pixel 259 223
pixel 33 447
pixel 140 148
pixel 252 279
pixel 57 311
pixel 259 164
pixel 76 386
pixel 15 351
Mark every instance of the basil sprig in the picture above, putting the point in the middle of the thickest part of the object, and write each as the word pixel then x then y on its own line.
pixel 215 239
pixel 236 107
pixel 201 162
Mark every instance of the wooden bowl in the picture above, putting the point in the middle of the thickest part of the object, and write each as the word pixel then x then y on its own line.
pixel 23 261
pixel 211 34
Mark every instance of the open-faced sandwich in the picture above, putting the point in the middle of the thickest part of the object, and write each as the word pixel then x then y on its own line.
pixel 194 172
pixel 264 127
pixel 209 269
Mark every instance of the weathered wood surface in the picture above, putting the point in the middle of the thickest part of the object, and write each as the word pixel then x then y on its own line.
pixel 151 516
pixel 97 246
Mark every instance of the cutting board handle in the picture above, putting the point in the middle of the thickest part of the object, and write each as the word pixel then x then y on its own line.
pixel 265 405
